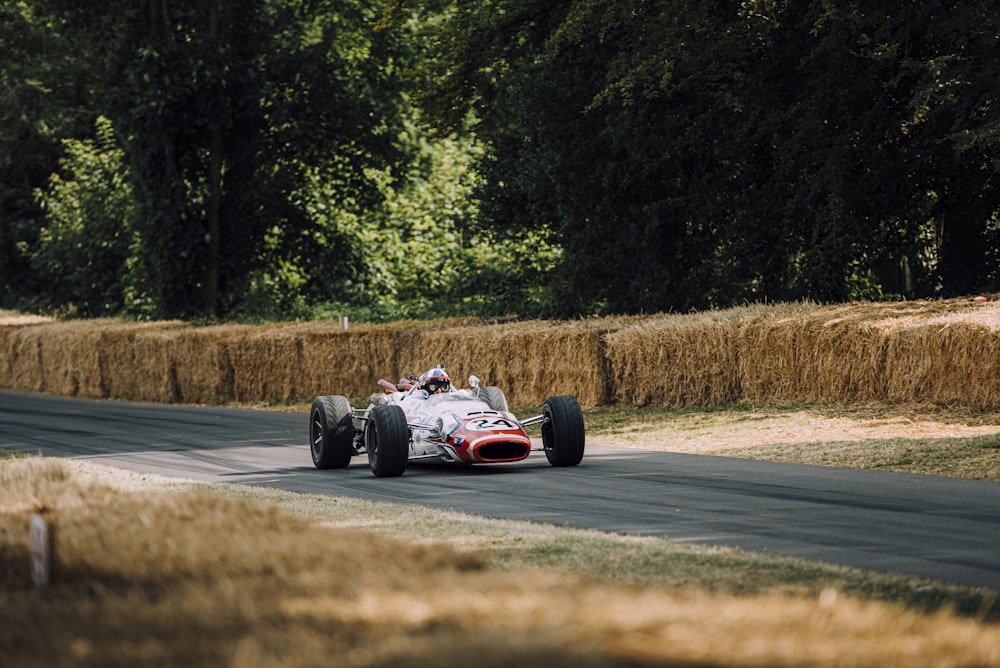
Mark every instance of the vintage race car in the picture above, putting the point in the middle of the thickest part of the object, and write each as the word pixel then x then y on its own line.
pixel 416 419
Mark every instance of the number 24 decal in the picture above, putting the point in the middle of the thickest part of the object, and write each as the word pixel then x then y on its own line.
pixel 490 424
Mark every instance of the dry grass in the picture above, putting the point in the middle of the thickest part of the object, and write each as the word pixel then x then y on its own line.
pixel 175 578
pixel 14 318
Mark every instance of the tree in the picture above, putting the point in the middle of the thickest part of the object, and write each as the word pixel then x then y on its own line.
pixel 41 81
pixel 694 154
pixel 951 50
pixel 239 123
pixel 84 250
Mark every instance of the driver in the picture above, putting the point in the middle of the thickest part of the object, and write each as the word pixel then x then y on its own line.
pixel 435 381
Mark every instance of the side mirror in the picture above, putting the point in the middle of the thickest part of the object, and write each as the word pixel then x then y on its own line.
pixel 473 381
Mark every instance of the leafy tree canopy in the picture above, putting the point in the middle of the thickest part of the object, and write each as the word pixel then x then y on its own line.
pixel 693 154
pixel 271 158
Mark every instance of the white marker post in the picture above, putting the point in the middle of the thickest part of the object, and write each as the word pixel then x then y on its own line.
pixel 41 551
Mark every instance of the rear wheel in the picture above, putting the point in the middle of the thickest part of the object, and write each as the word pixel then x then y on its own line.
pixel 331 432
pixel 494 398
pixel 387 438
pixel 563 436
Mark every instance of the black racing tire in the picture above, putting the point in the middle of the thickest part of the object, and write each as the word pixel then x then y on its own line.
pixel 331 432
pixel 494 398
pixel 387 438
pixel 563 432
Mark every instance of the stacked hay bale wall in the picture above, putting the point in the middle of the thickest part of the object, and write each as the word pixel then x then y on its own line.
pixel 813 353
pixel 22 360
pixel 348 363
pixel 944 352
pixel 12 340
pixel 675 360
pixel 950 359
pixel 69 354
pixel 266 363
pixel 135 361
pixel 529 361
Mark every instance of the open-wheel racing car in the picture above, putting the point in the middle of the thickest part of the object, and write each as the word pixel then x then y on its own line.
pixel 427 418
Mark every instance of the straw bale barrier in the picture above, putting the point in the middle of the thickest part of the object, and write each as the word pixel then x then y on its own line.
pixel 132 370
pixel 57 357
pixel 17 354
pixel 942 352
pixel 22 360
pixel 675 360
pixel 529 361
pixel 68 361
pixel 348 363
pixel 265 362
pixel 813 354
pixel 950 359
pixel 890 352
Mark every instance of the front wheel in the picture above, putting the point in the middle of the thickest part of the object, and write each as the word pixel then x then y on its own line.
pixel 563 436
pixel 331 432
pixel 387 438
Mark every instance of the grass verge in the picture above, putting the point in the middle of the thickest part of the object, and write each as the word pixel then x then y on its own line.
pixel 928 440
pixel 515 546
pixel 159 573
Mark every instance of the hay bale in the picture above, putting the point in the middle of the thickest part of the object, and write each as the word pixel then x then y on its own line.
pixel 266 362
pixel 814 354
pixel 530 361
pixel 126 374
pixel 949 359
pixel 202 363
pixel 11 342
pixel 154 370
pixel 675 360
pixel 345 363
pixel 83 358
pixel 23 351
pixel 14 352
pixel 70 358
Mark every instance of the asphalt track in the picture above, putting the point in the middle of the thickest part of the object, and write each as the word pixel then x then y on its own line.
pixel 938 528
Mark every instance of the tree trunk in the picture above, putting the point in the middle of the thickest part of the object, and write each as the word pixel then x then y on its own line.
pixel 215 162
pixel 211 286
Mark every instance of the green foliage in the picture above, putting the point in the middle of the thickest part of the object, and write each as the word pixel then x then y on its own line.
pixel 698 154
pixel 422 254
pixel 83 251
pixel 588 157
pixel 40 81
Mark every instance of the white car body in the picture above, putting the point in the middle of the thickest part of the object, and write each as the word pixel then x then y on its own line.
pixel 469 426
pixel 459 426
